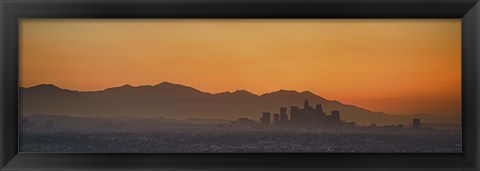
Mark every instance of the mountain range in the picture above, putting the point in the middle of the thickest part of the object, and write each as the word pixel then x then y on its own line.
pixel 181 102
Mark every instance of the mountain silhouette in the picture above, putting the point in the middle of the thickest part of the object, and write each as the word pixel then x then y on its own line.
pixel 182 102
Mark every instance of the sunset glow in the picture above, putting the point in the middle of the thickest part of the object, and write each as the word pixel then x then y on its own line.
pixel 392 66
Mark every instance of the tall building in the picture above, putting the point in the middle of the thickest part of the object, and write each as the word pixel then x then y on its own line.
pixel 276 118
pixel 319 109
pixel 294 111
pixel 320 114
pixel 265 120
pixel 306 105
pixel 416 123
pixel 335 114
pixel 283 115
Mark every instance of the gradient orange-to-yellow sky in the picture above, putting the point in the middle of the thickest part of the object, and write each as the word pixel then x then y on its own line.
pixel 392 66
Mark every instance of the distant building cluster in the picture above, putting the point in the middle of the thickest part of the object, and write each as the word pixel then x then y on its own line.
pixel 309 117
pixel 306 117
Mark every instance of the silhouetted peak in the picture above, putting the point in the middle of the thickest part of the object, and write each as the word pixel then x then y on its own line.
pixel 282 92
pixel 48 88
pixel 286 91
pixel 126 86
pixel 172 85
pixel 237 93
pixel 45 86
pixel 223 93
pixel 243 92
pixel 177 88
pixel 307 93
pixel 166 84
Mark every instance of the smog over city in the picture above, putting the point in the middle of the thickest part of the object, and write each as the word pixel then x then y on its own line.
pixel 246 86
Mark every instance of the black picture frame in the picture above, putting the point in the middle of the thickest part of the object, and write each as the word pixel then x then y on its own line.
pixel 13 10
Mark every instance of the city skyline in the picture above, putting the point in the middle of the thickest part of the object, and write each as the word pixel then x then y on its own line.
pixel 308 129
pixel 412 66
pixel 156 91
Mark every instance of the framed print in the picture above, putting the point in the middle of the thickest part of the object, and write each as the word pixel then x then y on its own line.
pixel 200 85
pixel 240 85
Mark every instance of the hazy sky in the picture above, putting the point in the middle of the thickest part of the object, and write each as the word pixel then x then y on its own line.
pixel 393 66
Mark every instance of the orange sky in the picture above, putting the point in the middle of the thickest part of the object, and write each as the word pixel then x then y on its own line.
pixel 393 66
